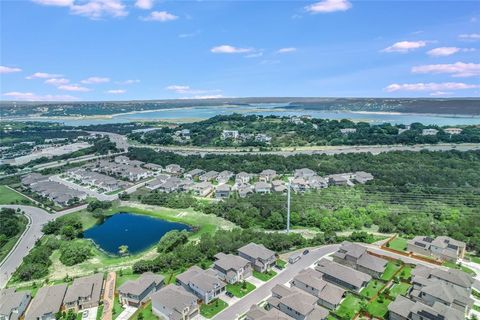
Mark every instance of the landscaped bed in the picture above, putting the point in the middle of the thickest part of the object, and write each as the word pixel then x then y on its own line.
pixel 214 307
pixel 264 276
pixel 399 289
pixel 372 288
pixel 349 307
pixel 406 272
pixel 390 270
pixel 240 289
pixel 378 307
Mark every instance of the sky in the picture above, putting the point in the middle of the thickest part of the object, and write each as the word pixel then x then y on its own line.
pixel 61 50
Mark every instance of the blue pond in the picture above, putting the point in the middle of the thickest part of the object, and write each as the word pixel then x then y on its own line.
pixel 138 232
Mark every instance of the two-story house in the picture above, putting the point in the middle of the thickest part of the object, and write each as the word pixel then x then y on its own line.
pixel 136 292
pixel 174 303
pixel 261 258
pixel 232 268
pixel 205 284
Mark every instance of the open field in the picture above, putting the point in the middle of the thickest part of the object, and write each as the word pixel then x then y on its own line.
pixel 8 196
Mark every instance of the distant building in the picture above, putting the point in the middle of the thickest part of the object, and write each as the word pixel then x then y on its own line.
pixel 202 189
pixel 229 134
pixel 174 169
pixel 224 176
pixel 209 176
pixel 263 187
pixel 192 174
pixel 429 132
pixel 267 175
pixel 222 191
pixel 453 130
pixel 441 247
pixel 347 131
pixel 242 178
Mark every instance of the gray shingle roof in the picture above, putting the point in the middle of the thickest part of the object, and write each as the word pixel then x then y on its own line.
pixel 256 251
pixel 231 262
pixel 11 300
pixel 343 273
pixel 48 300
pixel 174 298
pixel 138 286
pixel 85 287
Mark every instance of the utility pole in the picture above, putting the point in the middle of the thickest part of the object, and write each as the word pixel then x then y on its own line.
pixel 288 207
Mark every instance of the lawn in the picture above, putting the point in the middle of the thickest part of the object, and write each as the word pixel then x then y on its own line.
pixel 372 288
pixel 474 259
pixel 211 309
pixel 117 308
pixel 264 276
pixel 399 289
pixel 399 244
pixel 281 263
pixel 100 312
pixel 453 265
pixel 378 307
pixel 240 289
pixel 125 275
pixel 406 272
pixel 8 196
pixel 349 307
pixel 392 267
pixel 146 311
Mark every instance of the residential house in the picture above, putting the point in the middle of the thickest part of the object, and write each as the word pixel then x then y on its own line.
pixel 13 304
pixel 202 189
pixel 296 303
pixel 195 173
pixel 170 185
pixel 433 291
pixel 84 293
pixel 261 137
pixel 205 284
pixel 299 185
pixel 231 268
pixel 153 166
pixel 257 313
pixel 261 258
pixel 47 303
pixel 357 257
pixel 451 276
pixel 60 194
pixel 229 134
pixel 242 178
pixel 339 180
pixel 262 187
pixel 348 131
pixel 342 276
pixel 316 182
pixel 222 191
pixel 267 175
pixel 304 173
pixel 209 176
pixel 157 182
pixel 136 292
pixel 429 132
pixel 362 177
pixel 441 247
pixel 244 190
pixel 310 281
pixel 224 176
pixel 279 186
pixel 453 130
pixel 405 309
pixel 32 178
pixel 174 169
pixel 174 303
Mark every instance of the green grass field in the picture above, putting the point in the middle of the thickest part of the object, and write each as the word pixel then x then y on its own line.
pixel 7 196
pixel 349 307
pixel 399 289
pixel 399 244
pixel 238 289
pixel 406 272
pixel 392 267
pixel 264 276
pixel 372 288
pixel 211 309
pixel 378 307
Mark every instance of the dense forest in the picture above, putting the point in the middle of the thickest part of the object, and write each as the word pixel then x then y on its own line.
pixel 12 223
pixel 307 132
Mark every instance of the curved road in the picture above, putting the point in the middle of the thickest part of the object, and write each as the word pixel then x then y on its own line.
pixel 37 218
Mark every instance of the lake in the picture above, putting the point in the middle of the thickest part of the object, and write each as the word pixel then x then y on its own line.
pixel 205 112
pixel 138 232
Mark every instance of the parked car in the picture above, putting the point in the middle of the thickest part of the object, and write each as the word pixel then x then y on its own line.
pixel 305 252
pixel 294 258
pixel 229 294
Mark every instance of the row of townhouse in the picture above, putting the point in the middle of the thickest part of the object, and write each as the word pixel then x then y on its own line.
pixel 435 294
pixel 441 247
pixel 314 292
pixel 235 135
pixel 83 293
pixel 131 170
pixel 60 194
pixel 96 179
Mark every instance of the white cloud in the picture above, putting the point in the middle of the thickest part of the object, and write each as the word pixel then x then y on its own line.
pixel 457 70
pixel 116 91
pixel 214 96
pixel 254 55
pixel 130 81
pixel 443 51
pixel 405 46
pixel 28 96
pixel 43 75
pixel 95 80
pixel 162 16
pixel 440 93
pixel 4 69
pixel 286 50
pixel 57 81
pixel 432 86
pixel 230 49
pixel 470 36
pixel 178 88
pixel 73 87
pixel 144 4
pixel 327 6
pixel 182 89
pixel 56 3
pixel 98 9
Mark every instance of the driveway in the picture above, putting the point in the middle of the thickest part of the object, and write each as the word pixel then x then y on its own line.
pixel 237 309
pixel 127 313
pixel 92 313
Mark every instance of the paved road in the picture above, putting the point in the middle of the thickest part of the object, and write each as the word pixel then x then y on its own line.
pixel 37 218
pixel 263 292
pixel 330 150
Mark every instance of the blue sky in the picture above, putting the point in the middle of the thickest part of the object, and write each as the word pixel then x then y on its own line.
pixel 144 49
